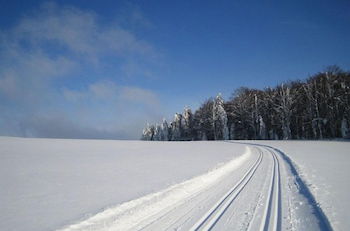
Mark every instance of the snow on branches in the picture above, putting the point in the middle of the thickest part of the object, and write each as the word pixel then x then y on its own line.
pixel 317 108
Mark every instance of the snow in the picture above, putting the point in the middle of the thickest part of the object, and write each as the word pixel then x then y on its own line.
pixel 53 184
pixel 324 166
pixel 50 183
pixel 118 218
pixel 220 118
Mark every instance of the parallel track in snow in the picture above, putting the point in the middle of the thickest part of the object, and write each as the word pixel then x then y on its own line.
pixel 253 203
pixel 271 219
pixel 211 217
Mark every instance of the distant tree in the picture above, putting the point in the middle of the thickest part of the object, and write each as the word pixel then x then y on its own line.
pixel 203 121
pixel 165 131
pixel 262 128
pixel 345 131
pixel 240 113
pixel 232 131
pixel 299 121
pixel 187 124
pixel 176 127
pixel 284 108
pixel 220 119
pixel 316 108
pixel 157 132
pixel 148 132
pixel 271 117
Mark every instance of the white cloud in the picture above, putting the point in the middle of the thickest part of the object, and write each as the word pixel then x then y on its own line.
pixel 72 95
pixel 58 41
pixel 139 95
pixel 79 32
pixel 54 45
pixel 8 85
pixel 28 73
pixel 104 90
pixel 110 92
pixel 132 16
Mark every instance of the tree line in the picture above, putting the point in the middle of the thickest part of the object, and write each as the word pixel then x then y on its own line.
pixel 317 108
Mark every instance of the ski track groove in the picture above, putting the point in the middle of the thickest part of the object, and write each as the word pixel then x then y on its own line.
pixel 271 219
pixel 174 208
pixel 270 199
pixel 212 216
pixel 272 212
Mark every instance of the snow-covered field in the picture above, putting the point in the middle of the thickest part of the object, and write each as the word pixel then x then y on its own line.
pixel 48 183
pixel 52 184
pixel 325 167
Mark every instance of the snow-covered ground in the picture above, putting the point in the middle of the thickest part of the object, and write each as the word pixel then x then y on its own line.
pixel 50 184
pixel 325 167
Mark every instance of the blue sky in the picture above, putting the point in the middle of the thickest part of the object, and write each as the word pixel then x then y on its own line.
pixel 102 69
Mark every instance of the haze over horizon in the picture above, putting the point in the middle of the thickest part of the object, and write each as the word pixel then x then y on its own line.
pixel 104 69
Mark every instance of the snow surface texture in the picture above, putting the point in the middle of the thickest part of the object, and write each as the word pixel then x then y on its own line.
pixel 256 191
pixel 46 184
pixel 126 215
pixel 324 166
pixel 97 185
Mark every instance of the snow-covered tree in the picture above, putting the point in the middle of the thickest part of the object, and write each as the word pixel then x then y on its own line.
pixel 220 119
pixel 157 133
pixel 187 124
pixel 176 127
pixel 283 108
pixel 165 131
pixel 315 112
pixel 232 131
pixel 345 131
pixel 203 121
pixel 148 132
pixel 313 109
pixel 262 128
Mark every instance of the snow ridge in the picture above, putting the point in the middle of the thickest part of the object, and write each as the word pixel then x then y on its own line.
pixel 138 213
pixel 324 223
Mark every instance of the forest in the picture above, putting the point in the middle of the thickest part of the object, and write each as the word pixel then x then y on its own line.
pixel 316 108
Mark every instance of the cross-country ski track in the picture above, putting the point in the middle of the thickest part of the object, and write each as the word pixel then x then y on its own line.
pixel 259 190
